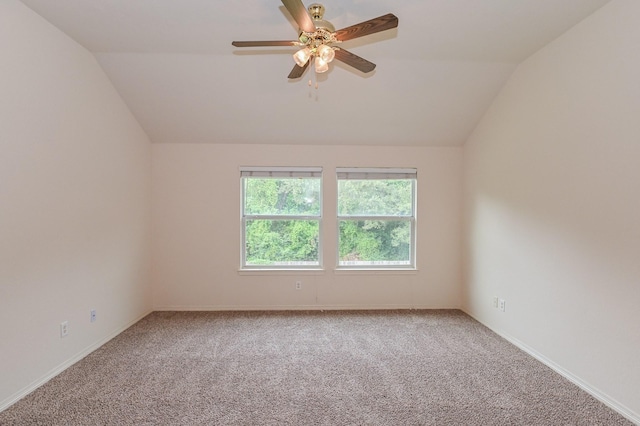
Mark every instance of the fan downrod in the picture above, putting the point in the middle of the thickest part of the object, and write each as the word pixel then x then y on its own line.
pixel 316 10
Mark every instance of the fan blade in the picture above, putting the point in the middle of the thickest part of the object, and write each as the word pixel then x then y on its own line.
pixel 354 60
pixel 297 70
pixel 300 15
pixel 375 25
pixel 264 43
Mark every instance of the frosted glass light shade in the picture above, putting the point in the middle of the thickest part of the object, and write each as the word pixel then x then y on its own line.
pixel 321 66
pixel 302 56
pixel 326 53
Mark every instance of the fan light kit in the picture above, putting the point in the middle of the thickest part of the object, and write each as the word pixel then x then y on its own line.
pixel 317 37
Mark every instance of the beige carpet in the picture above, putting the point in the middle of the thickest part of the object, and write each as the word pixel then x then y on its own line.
pixel 309 368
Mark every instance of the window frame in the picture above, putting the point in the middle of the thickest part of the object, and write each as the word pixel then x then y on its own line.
pixel 378 173
pixel 284 173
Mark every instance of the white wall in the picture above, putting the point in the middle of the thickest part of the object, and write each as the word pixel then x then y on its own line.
pixel 196 231
pixel 552 206
pixel 74 203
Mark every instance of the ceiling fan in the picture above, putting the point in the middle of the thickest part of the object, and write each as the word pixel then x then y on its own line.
pixel 317 38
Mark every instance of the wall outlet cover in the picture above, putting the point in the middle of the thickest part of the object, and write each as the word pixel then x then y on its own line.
pixel 64 328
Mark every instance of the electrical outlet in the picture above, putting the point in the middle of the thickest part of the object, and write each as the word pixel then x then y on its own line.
pixel 503 304
pixel 495 302
pixel 64 328
pixel 93 315
pixel 298 285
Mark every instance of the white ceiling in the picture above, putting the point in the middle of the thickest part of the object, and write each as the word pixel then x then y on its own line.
pixel 173 64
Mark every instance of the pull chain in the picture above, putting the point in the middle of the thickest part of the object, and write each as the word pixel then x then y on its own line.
pixel 315 76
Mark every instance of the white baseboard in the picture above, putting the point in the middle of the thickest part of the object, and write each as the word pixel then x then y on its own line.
pixel 596 393
pixel 314 307
pixel 60 368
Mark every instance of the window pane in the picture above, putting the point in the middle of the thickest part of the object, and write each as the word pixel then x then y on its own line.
pixel 375 243
pixel 282 242
pixel 282 196
pixel 391 197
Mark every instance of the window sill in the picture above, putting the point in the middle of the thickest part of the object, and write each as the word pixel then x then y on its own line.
pixel 267 271
pixel 337 271
pixel 374 271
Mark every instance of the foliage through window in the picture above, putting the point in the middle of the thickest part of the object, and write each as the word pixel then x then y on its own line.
pixel 281 217
pixel 376 218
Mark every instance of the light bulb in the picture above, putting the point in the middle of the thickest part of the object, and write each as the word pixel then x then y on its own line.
pixel 321 65
pixel 326 53
pixel 302 56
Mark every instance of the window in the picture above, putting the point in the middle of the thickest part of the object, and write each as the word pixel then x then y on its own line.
pixel 376 218
pixel 281 217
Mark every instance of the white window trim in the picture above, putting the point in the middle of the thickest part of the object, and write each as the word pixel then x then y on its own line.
pixel 279 172
pixel 345 173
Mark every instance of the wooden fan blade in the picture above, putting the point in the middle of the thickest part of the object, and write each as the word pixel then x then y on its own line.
pixel 264 43
pixel 300 15
pixel 375 25
pixel 354 60
pixel 297 70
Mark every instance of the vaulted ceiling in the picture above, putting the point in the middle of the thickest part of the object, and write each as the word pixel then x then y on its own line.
pixel 173 64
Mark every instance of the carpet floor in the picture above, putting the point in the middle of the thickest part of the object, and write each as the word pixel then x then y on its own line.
pixel 425 367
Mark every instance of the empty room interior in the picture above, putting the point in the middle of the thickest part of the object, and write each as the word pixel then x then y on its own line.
pixel 132 133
